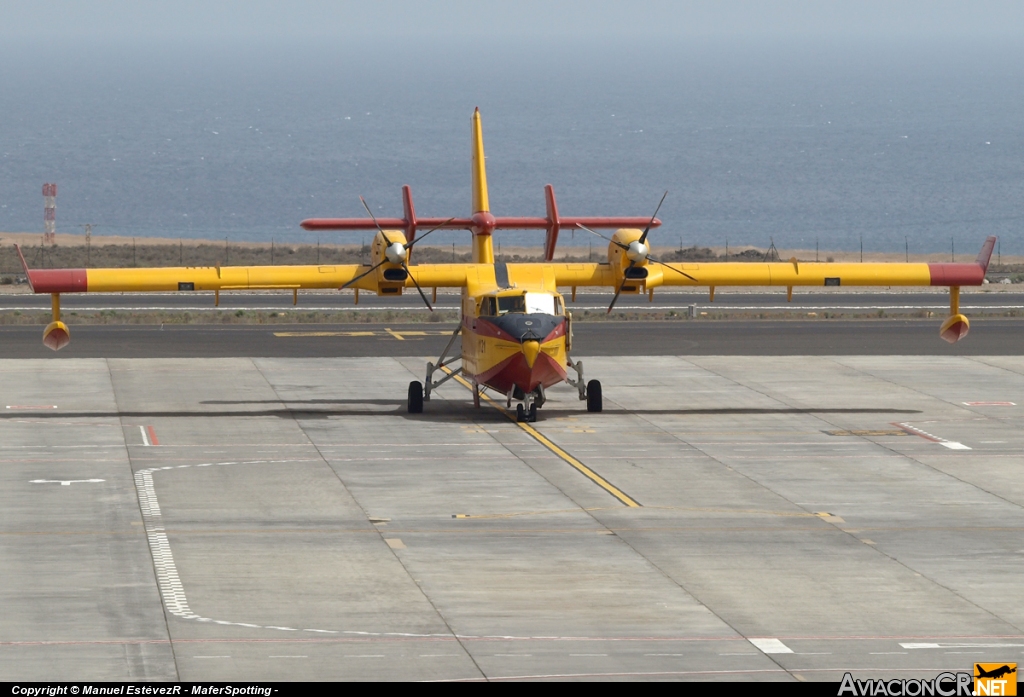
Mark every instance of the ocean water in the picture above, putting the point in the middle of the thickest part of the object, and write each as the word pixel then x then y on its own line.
pixel 826 143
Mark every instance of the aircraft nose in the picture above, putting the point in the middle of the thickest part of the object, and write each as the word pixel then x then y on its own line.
pixel 530 350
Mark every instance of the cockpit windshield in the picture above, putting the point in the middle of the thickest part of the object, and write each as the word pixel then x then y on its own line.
pixel 511 303
pixel 528 303
pixel 540 303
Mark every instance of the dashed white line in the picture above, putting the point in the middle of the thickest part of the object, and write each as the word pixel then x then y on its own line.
pixel 959 646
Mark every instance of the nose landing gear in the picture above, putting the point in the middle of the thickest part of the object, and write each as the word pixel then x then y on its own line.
pixel 526 412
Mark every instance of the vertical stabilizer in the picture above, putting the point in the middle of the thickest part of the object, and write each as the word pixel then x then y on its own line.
pixel 480 202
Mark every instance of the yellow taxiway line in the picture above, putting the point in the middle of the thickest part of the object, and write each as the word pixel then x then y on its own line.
pixel 590 474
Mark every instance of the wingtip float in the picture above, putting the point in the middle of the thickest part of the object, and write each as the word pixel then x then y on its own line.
pixel 517 337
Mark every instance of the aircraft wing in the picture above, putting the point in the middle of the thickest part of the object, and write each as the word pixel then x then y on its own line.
pixel 228 278
pixel 792 273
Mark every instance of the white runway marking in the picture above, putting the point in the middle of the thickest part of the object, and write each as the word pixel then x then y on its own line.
pixel 951 444
pixel 66 482
pixel 145 437
pixel 770 645
pixel 171 589
pixel 176 603
pixel 959 646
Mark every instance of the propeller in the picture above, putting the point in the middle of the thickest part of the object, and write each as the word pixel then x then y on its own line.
pixel 637 252
pixel 396 253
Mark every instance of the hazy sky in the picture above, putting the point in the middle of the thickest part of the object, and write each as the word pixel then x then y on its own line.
pixel 431 21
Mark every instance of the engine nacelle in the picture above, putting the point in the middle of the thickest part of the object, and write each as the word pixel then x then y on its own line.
pixel 628 257
pixel 391 276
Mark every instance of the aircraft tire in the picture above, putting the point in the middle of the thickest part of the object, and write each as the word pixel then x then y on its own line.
pixel 594 401
pixel 415 397
pixel 520 413
pixel 533 412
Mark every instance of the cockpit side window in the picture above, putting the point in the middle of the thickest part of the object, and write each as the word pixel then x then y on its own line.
pixel 511 303
pixel 559 309
pixel 487 308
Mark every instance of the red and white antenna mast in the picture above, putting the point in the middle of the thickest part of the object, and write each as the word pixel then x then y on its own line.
pixel 50 214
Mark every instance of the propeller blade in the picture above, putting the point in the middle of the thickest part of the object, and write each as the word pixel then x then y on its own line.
pixel 383 234
pixel 657 261
pixel 422 295
pixel 367 273
pixel 643 237
pixel 581 226
pixel 616 298
pixel 410 244
pixel 619 291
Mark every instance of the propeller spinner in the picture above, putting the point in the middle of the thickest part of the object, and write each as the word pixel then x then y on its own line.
pixel 637 252
pixel 396 253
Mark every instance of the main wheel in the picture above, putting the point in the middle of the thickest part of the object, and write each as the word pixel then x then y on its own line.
pixel 520 413
pixel 415 397
pixel 594 401
pixel 533 412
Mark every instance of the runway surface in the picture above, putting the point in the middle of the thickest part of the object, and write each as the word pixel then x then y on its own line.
pixel 725 518
pixel 700 337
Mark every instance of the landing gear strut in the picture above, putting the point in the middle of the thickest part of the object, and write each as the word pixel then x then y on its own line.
pixel 589 391
pixel 526 412
pixel 419 393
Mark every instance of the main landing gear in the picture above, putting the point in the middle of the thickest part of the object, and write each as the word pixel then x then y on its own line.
pixel 420 392
pixel 526 410
pixel 589 391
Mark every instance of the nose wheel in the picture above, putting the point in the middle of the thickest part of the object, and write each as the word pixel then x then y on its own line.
pixel 526 415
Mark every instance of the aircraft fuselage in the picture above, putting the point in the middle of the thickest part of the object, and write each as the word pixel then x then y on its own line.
pixel 515 341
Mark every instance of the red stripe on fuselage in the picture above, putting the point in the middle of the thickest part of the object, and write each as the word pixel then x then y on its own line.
pixel 514 372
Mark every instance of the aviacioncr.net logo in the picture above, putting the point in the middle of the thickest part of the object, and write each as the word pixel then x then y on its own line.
pixel 942 685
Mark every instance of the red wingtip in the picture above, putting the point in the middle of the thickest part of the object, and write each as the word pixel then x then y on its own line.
pixel 24 265
pixel 985 255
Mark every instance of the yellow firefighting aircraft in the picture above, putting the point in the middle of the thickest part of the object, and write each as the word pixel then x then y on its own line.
pixel 516 331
